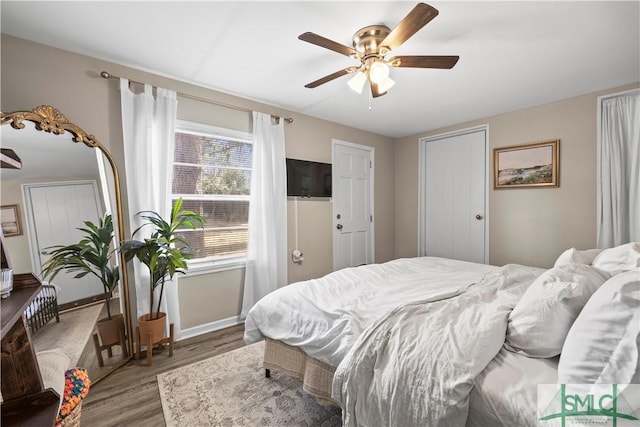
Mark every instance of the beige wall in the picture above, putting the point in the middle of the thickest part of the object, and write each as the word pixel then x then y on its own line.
pixel 224 300
pixel 33 74
pixel 527 226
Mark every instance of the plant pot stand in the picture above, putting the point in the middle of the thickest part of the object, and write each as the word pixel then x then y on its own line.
pixel 100 347
pixel 148 342
pixel 110 333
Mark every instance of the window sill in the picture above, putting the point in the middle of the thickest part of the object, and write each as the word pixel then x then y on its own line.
pixel 212 266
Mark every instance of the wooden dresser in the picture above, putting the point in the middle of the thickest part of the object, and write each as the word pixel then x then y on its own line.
pixel 26 401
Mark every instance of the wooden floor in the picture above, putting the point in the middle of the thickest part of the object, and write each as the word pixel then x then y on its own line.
pixel 130 395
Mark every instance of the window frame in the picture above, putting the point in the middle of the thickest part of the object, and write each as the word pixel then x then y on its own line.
pixel 224 262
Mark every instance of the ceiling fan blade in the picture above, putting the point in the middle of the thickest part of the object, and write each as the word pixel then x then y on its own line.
pixel 330 77
pixel 410 24
pixel 445 62
pixel 375 91
pixel 328 44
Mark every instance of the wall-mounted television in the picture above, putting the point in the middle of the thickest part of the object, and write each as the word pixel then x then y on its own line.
pixel 308 179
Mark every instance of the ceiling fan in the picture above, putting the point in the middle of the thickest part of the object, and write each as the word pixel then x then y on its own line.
pixel 371 44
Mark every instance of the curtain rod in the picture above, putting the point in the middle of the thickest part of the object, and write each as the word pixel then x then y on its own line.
pixel 107 75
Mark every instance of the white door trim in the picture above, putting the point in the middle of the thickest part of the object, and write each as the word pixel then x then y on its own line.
pixel 422 148
pixel 334 222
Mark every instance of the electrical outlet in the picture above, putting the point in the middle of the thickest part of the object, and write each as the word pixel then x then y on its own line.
pixel 297 256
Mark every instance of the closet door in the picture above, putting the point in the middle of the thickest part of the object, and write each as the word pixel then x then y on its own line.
pixel 453 197
pixel 55 211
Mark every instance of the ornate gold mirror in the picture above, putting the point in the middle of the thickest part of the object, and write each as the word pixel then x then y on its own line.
pixel 55 185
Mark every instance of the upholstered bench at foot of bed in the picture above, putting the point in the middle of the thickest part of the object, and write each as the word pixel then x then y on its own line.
pixel 316 376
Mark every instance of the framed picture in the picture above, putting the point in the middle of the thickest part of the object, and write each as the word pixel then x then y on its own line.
pixel 529 165
pixel 10 220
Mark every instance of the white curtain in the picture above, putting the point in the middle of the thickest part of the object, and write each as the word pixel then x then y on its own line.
pixel 148 124
pixel 619 171
pixel 267 246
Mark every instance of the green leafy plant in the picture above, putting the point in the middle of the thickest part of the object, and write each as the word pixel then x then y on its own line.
pixel 91 255
pixel 164 253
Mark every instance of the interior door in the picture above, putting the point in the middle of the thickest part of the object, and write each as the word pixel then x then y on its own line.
pixel 453 209
pixel 352 191
pixel 55 211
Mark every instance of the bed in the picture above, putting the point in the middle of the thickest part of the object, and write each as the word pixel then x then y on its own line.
pixel 430 341
pixel 43 308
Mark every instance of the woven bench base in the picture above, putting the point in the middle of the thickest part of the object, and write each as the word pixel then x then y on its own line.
pixel 316 376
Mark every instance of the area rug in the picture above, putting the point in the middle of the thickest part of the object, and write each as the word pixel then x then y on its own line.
pixel 231 390
pixel 71 334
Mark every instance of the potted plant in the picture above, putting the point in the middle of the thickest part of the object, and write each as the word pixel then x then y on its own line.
pixel 165 254
pixel 91 255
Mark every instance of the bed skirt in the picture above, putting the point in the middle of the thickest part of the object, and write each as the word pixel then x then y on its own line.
pixel 316 376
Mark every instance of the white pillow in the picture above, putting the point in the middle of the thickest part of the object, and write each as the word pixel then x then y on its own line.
pixel 577 256
pixel 602 345
pixel 621 258
pixel 540 321
pixel 53 364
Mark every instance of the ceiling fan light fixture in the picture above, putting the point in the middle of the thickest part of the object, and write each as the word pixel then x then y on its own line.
pixel 356 83
pixel 385 85
pixel 378 72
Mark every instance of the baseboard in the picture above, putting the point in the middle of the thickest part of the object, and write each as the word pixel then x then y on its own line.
pixel 208 327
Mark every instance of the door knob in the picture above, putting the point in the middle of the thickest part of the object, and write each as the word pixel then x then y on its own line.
pixel 339 226
pixel 478 217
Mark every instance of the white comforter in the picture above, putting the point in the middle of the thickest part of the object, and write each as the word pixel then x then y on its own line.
pixel 325 316
pixel 416 366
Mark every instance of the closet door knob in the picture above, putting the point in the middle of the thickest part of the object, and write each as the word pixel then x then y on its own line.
pixel 478 217
pixel 339 226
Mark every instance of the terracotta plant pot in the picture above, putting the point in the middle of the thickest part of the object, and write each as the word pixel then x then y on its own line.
pixel 109 329
pixel 154 326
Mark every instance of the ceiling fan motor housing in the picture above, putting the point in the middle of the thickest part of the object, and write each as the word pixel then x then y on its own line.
pixel 367 40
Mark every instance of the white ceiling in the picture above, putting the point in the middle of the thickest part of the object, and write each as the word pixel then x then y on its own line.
pixel 45 155
pixel 512 54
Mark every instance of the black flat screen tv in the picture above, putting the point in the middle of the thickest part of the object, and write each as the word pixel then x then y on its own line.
pixel 308 179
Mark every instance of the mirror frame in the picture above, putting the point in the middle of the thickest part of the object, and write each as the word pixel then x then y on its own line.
pixel 49 119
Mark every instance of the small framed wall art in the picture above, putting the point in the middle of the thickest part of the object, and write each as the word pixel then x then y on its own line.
pixel 10 220
pixel 528 165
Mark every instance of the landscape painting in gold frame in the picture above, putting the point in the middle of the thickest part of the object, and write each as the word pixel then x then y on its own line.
pixel 528 165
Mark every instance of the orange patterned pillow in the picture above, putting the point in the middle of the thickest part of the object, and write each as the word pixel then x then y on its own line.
pixel 76 387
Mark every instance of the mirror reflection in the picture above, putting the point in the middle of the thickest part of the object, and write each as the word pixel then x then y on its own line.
pixel 61 185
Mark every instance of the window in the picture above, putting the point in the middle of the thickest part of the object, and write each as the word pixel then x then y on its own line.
pixel 212 174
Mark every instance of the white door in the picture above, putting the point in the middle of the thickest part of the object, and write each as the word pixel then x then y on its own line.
pixel 55 211
pixel 454 194
pixel 352 190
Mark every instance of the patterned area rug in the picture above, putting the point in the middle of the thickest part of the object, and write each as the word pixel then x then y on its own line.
pixel 71 334
pixel 231 390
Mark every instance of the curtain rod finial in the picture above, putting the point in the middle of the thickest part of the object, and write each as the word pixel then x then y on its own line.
pixel 105 75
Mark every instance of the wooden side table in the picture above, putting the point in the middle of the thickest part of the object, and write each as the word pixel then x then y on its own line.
pixel 26 401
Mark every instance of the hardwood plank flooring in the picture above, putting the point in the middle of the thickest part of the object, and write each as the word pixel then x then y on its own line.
pixel 130 395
